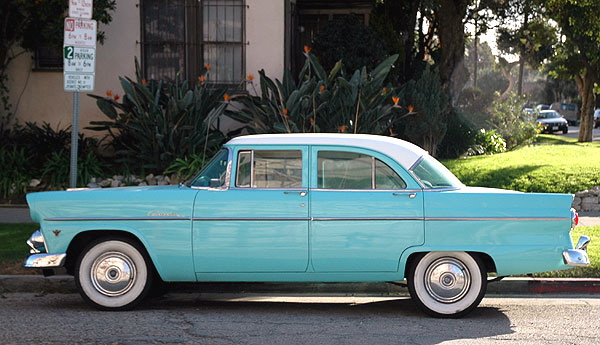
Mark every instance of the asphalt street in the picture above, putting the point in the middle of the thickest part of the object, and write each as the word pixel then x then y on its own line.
pixel 194 319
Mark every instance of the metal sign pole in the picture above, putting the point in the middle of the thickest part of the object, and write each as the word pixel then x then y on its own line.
pixel 74 140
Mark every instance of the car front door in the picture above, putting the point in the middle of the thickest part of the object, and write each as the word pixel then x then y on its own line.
pixel 365 210
pixel 259 223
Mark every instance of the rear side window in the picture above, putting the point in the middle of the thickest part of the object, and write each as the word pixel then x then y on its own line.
pixel 351 170
pixel 269 169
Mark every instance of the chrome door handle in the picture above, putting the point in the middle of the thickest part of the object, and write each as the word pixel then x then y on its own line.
pixel 410 195
pixel 301 193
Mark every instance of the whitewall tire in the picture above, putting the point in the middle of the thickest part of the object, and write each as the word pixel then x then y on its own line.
pixel 113 274
pixel 447 284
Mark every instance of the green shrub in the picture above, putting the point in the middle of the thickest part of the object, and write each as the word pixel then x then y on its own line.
pixel 160 120
pixel 427 127
pixel 460 137
pixel 186 167
pixel 487 143
pixel 15 172
pixel 516 126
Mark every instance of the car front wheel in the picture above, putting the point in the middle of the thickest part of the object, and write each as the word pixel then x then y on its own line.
pixel 447 284
pixel 113 274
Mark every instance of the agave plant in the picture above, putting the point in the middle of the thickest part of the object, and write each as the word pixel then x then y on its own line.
pixel 158 121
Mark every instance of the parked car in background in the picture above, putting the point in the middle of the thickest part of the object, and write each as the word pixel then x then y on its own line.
pixel 569 111
pixel 541 107
pixel 551 121
pixel 305 208
pixel 596 118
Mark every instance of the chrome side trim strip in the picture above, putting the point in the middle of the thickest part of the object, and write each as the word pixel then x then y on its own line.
pixel 495 218
pixel 100 219
pixel 78 219
pixel 250 219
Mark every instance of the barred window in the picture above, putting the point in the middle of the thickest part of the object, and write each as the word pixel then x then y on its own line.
pixel 183 36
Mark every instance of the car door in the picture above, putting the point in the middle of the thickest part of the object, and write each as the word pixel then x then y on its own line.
pixel 259 223
pixel 366 210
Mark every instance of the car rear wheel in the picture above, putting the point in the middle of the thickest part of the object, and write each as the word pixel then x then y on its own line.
pixel 113 274
pixel 447 284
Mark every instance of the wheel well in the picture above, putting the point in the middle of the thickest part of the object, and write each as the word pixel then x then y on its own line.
pixel 490 265
pixel 82 239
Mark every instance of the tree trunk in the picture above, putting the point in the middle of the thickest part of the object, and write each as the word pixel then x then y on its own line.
pixel 475 57
pixel 585 84
pixel 453 73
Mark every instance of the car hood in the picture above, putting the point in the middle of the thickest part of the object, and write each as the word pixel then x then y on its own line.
pixel 553 120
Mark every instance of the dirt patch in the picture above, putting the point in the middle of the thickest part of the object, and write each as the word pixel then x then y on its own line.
pixel 16 267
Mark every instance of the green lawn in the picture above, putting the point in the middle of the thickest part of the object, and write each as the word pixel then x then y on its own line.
pixel 13 250
pixel 554 165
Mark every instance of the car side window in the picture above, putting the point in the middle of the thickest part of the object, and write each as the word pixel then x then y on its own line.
pixel 269 169
pixel 351 170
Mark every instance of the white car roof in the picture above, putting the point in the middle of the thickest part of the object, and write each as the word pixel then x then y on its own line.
pixel 405 153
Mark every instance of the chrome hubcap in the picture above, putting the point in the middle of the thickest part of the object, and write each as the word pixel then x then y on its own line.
pixel 447 280
pixel 113 274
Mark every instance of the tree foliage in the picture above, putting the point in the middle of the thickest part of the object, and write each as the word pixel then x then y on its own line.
pixel 578 55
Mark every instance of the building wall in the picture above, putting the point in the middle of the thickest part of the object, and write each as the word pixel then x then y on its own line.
pixel 40 96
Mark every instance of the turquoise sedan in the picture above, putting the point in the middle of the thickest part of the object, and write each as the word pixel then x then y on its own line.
pixel 305 208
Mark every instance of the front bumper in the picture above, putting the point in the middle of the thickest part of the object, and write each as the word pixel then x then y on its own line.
pixel 578 256
pixel 38 257
pixel 45 260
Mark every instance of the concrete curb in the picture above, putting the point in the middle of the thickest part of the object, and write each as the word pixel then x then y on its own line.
pixel 507 286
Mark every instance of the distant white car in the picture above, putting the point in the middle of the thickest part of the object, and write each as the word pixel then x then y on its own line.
pixel 551 121
pixel 596 118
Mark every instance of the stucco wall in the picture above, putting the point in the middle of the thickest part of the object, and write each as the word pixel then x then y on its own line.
pixel 265 34
pixel 40 96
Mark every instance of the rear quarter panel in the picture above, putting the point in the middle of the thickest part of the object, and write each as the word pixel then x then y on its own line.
pixel 522 232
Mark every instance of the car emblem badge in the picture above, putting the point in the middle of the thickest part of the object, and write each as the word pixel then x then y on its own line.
pixel 56 232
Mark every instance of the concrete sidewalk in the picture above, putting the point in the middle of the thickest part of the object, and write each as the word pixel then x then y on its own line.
pixel 506 286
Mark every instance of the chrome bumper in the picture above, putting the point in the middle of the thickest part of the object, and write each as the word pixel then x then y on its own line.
pixel 578 256
pixel 38 257
pixel 45 260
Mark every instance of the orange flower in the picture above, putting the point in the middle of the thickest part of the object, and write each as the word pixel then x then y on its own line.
pixel 226 97
pixel 207 66
pixel 322 88
pixel 411 108
pixel 391 132
pixel 116 97
pixel 342 128
pixel 144 81
pixel 396 100
pixel 201 79
pixel 109 93
pixel 307 49
pixel 285 113
pixel 250 77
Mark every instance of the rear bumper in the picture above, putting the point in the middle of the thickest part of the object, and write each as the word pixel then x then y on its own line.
pixel 578 256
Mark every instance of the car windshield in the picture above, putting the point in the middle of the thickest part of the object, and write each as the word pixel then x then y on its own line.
pixel 434 174
pixel 213 174
pixel 548 115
